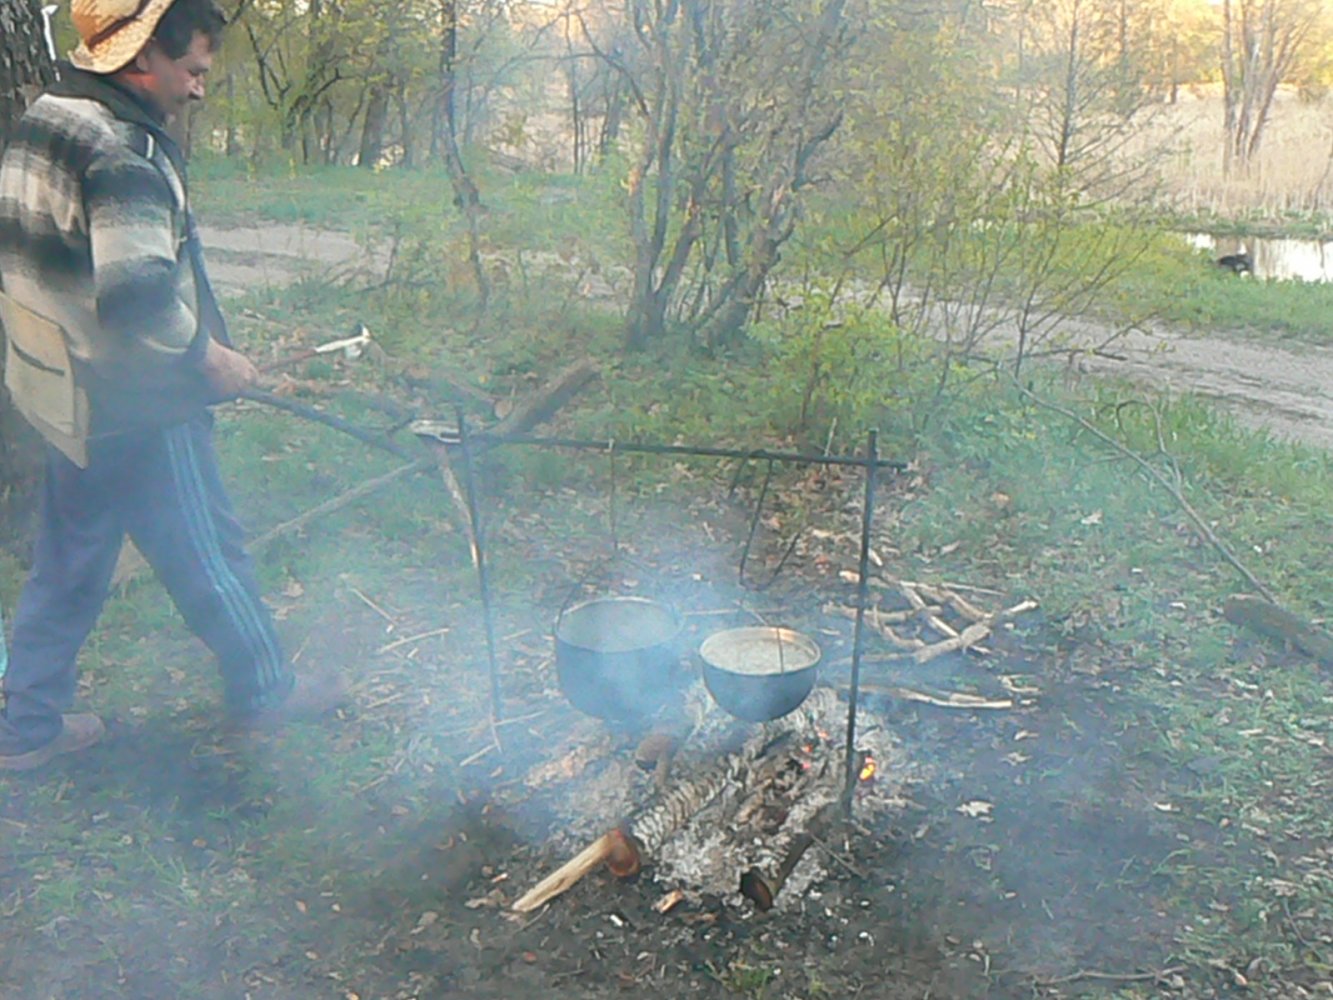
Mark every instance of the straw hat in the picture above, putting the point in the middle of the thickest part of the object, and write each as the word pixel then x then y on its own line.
pixel 113 31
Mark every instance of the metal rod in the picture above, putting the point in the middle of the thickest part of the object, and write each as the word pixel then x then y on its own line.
pixel 485 441
pixel 372 438
pixel 862 586
pixel 479 560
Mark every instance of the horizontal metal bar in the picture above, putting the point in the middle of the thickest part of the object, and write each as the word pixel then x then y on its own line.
pixel 482 439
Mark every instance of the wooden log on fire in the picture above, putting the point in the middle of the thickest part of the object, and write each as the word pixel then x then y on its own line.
pixel 762 882
pixel 623 849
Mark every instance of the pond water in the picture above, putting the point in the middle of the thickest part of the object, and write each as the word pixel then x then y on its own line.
pixel 1284 260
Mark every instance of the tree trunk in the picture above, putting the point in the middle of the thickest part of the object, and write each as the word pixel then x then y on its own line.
pixel 372 132
pixel 231 142
pixel 1262 42
pixel 25 67
pixel 466 195
pixel 406 132
pixel 25 64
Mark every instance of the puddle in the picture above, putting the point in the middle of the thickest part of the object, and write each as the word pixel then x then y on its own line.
pixel 1280 259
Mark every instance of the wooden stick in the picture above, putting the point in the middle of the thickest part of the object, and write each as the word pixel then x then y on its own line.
pixel 969 637
pixel 953 699
pixel 607 849
pixel 131 564
pixel 933 620
pixel 413 638
pixel 1153 473
pixel 338 503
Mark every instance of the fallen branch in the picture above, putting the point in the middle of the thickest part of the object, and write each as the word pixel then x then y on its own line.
pixel 959 700
pixel 943 595
pixel 879 621
pixel 1156 476
pixel 1278 623
pixel 934 620
pixel 966 639
pixel 1114 977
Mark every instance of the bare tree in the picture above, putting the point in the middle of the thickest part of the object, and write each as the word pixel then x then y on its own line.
pixel 733 103
pixel 1263 42
pixel 1082 67
pixel 25 64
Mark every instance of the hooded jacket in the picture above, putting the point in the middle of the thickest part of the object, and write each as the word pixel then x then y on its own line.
pixel 96 234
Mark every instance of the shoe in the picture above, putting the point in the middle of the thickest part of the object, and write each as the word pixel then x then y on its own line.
pixel 79 732
pixel 313 696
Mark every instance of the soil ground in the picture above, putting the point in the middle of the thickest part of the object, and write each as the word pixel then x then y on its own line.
pixel 1061 886
pixel 1058 889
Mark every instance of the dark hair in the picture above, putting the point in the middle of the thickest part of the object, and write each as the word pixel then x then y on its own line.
pixel 183 18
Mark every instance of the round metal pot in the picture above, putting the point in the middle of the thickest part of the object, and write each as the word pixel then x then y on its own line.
pixel 761 673
pixel 617 657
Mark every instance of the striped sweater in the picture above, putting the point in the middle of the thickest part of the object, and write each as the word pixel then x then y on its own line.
pixel 93 226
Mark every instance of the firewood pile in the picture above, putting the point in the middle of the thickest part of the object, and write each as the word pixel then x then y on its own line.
pixel 728 809
pixel 926 621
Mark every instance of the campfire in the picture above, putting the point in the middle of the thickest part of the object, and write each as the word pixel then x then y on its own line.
pixel 736 810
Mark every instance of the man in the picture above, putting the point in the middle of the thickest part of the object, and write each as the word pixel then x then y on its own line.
pixel 97 243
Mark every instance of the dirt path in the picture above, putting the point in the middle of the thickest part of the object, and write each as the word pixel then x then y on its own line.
pixel 1287 391
pixel 249 258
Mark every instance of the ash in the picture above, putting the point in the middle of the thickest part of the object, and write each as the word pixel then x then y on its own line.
pixel 593 782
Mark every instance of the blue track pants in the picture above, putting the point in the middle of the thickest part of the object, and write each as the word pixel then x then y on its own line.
pixel 162 487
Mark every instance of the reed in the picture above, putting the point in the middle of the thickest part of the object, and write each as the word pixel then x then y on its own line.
pixel 1293 174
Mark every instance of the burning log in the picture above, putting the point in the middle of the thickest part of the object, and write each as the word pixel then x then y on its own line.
pixel 622 850
pixel 762 882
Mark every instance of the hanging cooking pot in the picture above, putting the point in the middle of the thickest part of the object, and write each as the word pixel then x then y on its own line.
pixel 617 657
pixel 759 673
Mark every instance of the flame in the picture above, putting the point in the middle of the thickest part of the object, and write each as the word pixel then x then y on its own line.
pixel 868 769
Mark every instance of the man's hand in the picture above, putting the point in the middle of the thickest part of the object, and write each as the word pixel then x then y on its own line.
pixel 228 372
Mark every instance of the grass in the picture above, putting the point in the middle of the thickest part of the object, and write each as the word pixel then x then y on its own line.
pixel 1180 286
pixel 258 845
